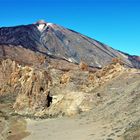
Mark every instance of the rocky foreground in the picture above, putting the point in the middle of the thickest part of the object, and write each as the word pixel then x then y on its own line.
pixel 106 101
pixel 53 92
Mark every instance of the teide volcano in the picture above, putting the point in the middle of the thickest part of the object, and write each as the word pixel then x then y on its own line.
pixel 62 43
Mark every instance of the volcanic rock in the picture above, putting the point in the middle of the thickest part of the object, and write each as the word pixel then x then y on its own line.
pixel 62 43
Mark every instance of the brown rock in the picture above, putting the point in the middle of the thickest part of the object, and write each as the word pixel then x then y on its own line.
pixel 65 78
pixel 83 66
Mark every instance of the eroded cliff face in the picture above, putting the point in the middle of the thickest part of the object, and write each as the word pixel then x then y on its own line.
pixel 51 91
pixel 29 85
pixel 34 92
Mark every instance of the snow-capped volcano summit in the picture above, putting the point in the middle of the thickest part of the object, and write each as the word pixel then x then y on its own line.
pixel 41 25
pixel 54 40
pixel 41 21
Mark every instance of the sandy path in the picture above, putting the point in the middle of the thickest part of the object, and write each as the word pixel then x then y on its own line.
pixel 60 129
pixel 69 129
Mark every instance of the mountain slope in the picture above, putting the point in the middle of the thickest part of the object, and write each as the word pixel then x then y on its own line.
pixel 59 42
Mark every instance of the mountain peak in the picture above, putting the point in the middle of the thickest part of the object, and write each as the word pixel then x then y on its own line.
pixel 59 42
pixel 42 24
pixel 41 21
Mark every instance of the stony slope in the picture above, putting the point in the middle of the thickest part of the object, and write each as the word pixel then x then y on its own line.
pixel 52 92
pixel 107 100
pixel 114 115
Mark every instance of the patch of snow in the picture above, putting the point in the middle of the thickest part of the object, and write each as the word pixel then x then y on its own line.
pixel 49 53
pixel 98 64
pixel 49 24
pixel 41 27
pixel 66 42
pixel 71 60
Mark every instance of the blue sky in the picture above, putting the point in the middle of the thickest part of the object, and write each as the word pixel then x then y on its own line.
pixel 113 22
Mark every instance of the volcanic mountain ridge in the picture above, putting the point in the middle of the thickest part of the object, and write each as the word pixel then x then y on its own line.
pixel 58 42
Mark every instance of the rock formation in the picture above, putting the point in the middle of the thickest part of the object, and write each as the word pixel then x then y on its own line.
pixel 51 92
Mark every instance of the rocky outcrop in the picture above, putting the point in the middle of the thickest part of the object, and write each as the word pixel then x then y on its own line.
pixel 72 92
pixel 52 92
pixel 107 73
pixel 34 91
pixel 29 84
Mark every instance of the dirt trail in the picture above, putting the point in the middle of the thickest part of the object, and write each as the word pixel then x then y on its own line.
pixel 78 128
